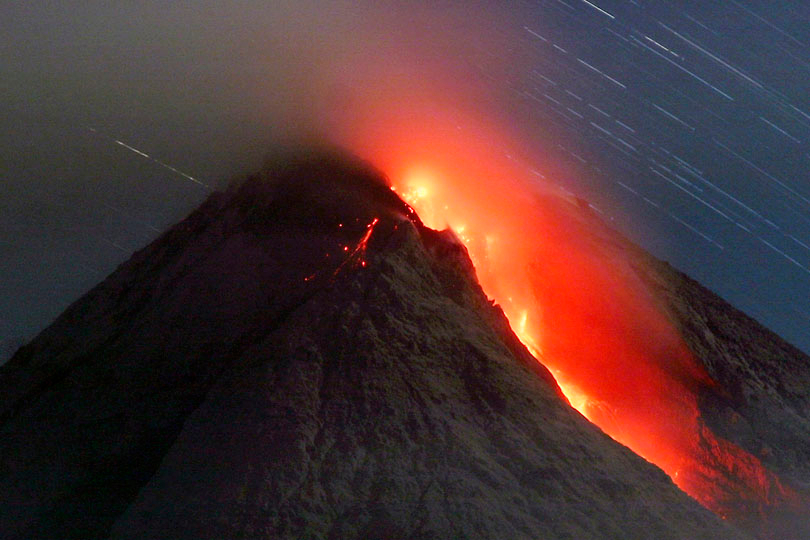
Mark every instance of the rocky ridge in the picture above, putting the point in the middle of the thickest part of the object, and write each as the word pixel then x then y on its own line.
pixel 301 357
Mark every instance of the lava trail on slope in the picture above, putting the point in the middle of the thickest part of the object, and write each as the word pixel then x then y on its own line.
pixel 576 295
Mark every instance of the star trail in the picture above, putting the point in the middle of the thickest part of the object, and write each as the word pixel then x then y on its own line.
pixel 685 125
pixel 697 114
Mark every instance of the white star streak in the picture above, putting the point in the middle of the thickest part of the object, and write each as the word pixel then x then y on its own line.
pixel 767 22
pixel 575 113
pixel 669 114
pixel 801 112
pixel 535 34
pixel 597 109
pixel 691 74
pixel 625 126
pixel 657 206
pixel 651 40
pixel 628 188
pixel 573 95
pixel 608 77
pixel 697 22
pixel 600 10
pixel 761 171
pixel 805 246
pixel 128 147
pixel 691 228
pixel 785 255
pixel 698 199
pixel 603 130
pixel 715 57
pixel 780 130
pixel 731 197
pixel 152 159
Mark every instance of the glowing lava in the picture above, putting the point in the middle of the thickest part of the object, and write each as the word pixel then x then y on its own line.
pixel 578 303
pixel 357 256
pixel 575 296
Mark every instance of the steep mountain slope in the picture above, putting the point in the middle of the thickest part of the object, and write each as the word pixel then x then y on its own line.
pixel 618 329
pixel 761 400
pixel 744 443
pixel 8 347
pixel 302 358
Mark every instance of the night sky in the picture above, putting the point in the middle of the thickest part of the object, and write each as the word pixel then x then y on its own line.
pixel 686 124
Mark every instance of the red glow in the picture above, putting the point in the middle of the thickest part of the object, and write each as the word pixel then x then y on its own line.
pixel 578 303
pixel 357 256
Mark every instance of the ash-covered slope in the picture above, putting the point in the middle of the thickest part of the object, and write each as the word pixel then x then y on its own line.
pixel 765 406
pixel 751 439
pixel 761 401
pixel 302 358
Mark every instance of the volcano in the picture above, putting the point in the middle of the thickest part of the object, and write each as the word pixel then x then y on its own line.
pixel 302 357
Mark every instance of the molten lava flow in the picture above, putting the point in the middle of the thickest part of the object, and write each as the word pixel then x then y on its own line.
pixel 357 255
pixel 576 299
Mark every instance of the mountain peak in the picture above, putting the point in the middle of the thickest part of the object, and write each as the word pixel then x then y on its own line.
pixel 301 356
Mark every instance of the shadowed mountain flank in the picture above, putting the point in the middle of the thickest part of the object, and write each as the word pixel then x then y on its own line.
pixel 302 358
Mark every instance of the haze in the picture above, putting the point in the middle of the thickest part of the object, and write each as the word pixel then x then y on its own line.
pixel 685 126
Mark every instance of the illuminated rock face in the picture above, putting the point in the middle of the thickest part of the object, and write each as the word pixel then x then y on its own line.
pixel 759 403
pixel 643 352
pixel 301 357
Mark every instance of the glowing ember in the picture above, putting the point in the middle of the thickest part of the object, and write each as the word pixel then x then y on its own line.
pixel 358 253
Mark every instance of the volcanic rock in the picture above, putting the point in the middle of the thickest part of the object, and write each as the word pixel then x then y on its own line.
pixel 761 399
pixel 302 358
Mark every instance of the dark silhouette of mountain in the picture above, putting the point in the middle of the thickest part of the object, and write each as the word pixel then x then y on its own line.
pixel 302 358
pixel 8 347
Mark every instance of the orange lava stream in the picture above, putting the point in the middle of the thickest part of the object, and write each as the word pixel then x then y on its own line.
pixel 578 302
pixel 358 254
